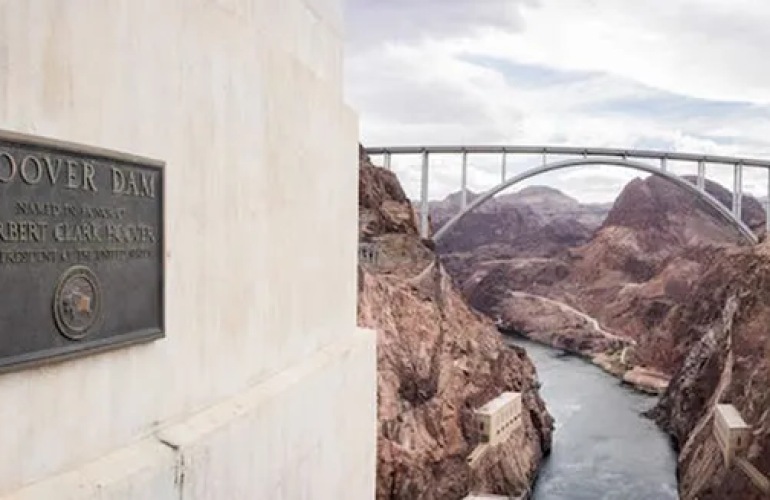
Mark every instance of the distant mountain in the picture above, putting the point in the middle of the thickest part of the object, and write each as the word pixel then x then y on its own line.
pixel 553 204
pixel 537 221
pixel 637 268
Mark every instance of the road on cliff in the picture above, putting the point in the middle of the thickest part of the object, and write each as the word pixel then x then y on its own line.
pixel 571 310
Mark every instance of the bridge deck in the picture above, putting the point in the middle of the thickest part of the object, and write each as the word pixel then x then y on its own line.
pixel 648 154
pixel 586 155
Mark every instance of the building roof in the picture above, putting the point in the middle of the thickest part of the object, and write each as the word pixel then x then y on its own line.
pixel 732 417
pixel 500 401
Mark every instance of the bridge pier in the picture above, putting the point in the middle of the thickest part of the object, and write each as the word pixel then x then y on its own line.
pixel 701 175
pixel 424 227
pixel 737 189
pixel 503 166
pixel 767 206
pixel 464 181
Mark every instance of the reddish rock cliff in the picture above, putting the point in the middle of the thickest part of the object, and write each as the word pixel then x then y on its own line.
pixel 437 361
pixel 722 347
pixel 534 222
pixel 638 266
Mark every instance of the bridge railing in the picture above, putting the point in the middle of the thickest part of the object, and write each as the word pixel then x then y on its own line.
pixel 660 158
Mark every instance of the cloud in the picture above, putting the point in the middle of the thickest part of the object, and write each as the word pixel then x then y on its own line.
pixel 683 75
pixel 407 21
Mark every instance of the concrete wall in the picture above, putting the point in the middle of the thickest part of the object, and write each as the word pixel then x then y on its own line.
pixel 263 387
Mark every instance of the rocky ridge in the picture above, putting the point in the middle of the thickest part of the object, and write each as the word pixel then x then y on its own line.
pixel 638 266
pixel 437 361
pixel 534 222
pixel 722 348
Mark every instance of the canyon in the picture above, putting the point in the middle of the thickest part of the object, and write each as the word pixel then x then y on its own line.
pixel 652 288
pixel 647 297
pixel 627 275
pixel 438 360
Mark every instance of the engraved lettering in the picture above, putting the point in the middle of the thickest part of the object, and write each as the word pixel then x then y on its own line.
pixel 72 174
pixel 71 233
pixel 10 167
pixel 29 165
pixel 88 177
pixel 22 231
pixel 53 168
pixel 118 180
pixel 71 210
pixel 59 232
pixel 130 183
pixel 131 188
pixel 38 209
pixel 24 257
pixel 148 185
pixel 130 233
pixel 37 231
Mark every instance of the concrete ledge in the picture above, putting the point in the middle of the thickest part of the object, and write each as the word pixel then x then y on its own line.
pixel 144 470
pixel 266 442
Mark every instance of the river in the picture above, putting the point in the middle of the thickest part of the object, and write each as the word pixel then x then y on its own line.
pixel 603 449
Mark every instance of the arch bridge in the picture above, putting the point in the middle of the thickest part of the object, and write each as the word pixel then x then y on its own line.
pixel 652 162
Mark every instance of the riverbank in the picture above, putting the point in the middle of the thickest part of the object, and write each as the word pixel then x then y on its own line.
pixel 603 448
pixel 639 378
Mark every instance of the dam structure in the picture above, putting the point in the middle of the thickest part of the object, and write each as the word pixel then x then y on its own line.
pixel 172 338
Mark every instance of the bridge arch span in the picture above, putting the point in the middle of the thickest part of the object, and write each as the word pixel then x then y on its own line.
pixel 723 212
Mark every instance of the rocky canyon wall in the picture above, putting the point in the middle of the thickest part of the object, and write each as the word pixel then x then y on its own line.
pixel 635 269
pixel 438 360
pixel 721 342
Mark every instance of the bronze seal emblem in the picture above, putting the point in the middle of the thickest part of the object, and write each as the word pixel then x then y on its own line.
pixel 77 302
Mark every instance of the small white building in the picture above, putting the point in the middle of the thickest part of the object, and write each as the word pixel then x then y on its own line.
pixel 499 417
pixel 731 431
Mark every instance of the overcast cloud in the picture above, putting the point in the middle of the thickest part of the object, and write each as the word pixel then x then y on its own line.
pixel 687 75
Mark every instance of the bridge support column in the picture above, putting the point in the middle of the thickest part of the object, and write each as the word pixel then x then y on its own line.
pixel 737 190
pixel 464 181
pixel 701 175
pixel 545 158
pixel 767 206
pixel 503 166
pixel 424 227
pixel 663 164
pixel 386 160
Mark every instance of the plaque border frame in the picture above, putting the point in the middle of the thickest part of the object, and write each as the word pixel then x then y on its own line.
pixel 78 349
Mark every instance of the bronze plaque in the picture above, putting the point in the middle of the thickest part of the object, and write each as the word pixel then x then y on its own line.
pixel 81 250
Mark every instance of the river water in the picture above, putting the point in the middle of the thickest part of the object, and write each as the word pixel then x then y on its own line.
pixel 603 449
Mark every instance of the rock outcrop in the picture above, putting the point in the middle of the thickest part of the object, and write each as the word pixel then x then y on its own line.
pixel 438 360
pixel 638 266
pixel 644 259
pixel 722 347
pixel 534 222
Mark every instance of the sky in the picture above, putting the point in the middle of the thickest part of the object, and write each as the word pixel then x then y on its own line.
pixel 679 75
